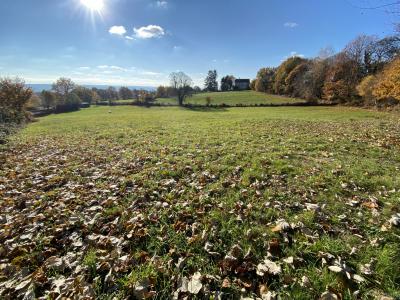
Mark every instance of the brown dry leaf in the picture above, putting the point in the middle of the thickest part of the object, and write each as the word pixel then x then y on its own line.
pixel 370 204
pixel 226 283
pixel 281 226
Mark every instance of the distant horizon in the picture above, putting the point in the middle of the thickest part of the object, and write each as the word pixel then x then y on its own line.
pixel 38 87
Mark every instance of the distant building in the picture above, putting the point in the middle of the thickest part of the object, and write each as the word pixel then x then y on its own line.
pixel 242 84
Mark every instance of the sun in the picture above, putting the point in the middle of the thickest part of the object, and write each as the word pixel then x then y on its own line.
pixel 94 5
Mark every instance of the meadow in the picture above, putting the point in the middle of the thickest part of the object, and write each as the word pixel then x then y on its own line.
pixel 234 98
pixel 161 203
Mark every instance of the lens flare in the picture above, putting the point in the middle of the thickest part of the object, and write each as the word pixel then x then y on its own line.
pixel 93 5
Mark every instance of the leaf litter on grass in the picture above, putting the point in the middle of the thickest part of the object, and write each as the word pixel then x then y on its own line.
pixel 288 210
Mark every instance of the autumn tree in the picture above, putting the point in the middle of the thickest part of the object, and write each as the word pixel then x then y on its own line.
pixel 381 52
pixel 34 102
pixel 85 94
pixel 314 78
pixel 359 52
pixel 341 80
pixel 111 94
pixel 181 85
pixel 48 99
pixel 196 89
pixel 365 89
pixel 211 83
pixel 265 80
pixel 283 72
pixel 296 83
pixel 387 88
pixel 66 99
pixel 13 97
pixel 227 83
pixel 63 86
pixel 161 92
pixel 371 53
pixel 253 84
pixel 125 93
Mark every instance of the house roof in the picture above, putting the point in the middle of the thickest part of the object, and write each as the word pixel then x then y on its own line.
pixel 242 81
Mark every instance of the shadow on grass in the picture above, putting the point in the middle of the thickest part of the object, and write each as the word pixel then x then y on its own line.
pixel 205 108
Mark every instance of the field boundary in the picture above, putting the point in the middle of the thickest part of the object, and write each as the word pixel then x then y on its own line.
pixel 223 105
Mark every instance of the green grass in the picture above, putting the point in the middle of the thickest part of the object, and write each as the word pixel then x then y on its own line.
pixel 234 98
pixel 176 178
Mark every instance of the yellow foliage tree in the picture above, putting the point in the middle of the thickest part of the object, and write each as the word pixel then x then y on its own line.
pixel 387 88
pixel 365 89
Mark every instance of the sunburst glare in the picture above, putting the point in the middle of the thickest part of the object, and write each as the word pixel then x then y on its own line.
pixel 94 5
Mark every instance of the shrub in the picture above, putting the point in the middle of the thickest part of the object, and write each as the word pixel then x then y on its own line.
pixel 14 95
pixel 70 102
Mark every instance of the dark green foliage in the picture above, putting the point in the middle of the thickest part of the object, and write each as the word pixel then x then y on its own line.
pixel 125 93
pixel 70 102
pixel 48 99
pixel 85 94
pixel 227 83
pixel 211 83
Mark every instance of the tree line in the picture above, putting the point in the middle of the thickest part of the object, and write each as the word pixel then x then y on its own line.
pixel 365 72
pixel 65 95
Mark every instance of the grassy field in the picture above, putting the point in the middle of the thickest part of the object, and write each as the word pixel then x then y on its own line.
pixel 234 98
pixel 205 203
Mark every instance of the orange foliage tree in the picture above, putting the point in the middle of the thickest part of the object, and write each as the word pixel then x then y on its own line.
pixel 387 88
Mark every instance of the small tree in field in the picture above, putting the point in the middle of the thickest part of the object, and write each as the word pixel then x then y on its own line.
pixel 182 86
pixel 211 83
pixel 227 83
pixel 84 93
pixel 14 95
pixel 48 99
pixel 34 102
pixel 66 99
pixel 125 93
pixel 63 86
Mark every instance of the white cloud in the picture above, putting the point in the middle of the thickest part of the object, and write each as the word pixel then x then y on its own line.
pixel 151 73
pixel 118 30
pixel 84 68
pixel 291 24
pixel 162 4
pixel 112 68
pixel 293 54
pixel 148 32
pixel 129 38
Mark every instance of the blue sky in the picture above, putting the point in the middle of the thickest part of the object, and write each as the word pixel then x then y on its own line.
pixel 139 42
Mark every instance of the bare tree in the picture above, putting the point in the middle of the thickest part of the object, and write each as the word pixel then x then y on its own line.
pixel 358 48
pixel 182 86
pixel 390 6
